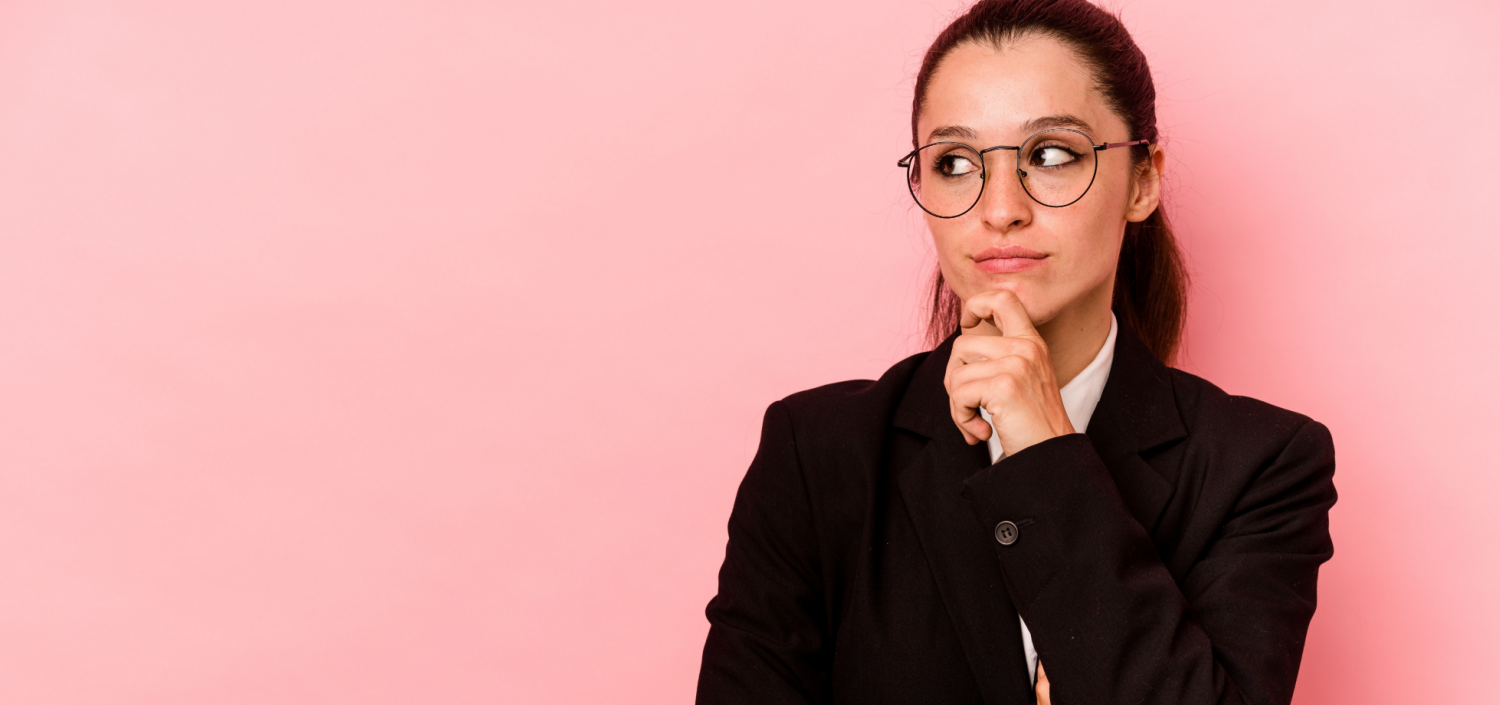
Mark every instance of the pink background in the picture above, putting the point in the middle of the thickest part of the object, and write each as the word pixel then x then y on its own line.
pixel 390 352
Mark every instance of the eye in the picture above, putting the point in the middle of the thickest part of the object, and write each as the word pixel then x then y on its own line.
pixel 1052 155
pixel 955 165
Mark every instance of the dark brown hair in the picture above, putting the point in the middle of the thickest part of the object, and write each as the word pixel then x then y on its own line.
pixel 1150 279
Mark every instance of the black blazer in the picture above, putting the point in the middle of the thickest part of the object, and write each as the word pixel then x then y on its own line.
pixel 1169 556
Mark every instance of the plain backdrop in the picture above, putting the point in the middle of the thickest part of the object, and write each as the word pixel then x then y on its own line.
pixel 412 351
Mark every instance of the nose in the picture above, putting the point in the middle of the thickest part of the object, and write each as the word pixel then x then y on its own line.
pixel 1004 205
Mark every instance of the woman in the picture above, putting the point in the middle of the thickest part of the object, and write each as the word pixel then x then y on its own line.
pixel 1039 508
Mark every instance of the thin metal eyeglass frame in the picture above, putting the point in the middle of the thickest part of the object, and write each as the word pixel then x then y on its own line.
pixel 984 174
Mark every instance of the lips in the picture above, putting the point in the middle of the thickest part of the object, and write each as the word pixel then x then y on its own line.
pixel 1014 258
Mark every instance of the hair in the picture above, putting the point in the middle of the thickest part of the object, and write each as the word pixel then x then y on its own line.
pixel 1150 279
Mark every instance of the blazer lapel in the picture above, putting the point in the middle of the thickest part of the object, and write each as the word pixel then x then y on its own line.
pixel 1137 412
pixel 958 549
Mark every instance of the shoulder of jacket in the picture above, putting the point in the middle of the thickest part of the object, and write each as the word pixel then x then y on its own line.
pixel 845 415
pixel 1243 454
pixel 1206 407
pixel 854 397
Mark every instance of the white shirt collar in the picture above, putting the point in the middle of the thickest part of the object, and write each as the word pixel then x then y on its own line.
pixel 1080 395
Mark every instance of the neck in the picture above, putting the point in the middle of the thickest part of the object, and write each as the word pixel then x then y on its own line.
pixel 1075 335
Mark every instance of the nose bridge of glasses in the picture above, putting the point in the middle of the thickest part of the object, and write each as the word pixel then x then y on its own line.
pixel 1000 147
pixel 1014 166
pixel 984 154
pixel 1007 187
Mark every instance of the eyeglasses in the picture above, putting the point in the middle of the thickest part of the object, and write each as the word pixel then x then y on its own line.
pixel 1056 167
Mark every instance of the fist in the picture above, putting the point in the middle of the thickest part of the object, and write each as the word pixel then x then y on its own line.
pixel 1001 364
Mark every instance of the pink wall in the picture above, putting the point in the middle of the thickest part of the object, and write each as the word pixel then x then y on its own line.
pixel 389 352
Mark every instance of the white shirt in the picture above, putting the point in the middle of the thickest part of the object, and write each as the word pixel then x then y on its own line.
pixel 1079 396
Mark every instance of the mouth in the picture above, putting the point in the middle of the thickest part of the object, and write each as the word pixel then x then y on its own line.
pixel 998 260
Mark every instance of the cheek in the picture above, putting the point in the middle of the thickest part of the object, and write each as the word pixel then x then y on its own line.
pixel 945 237
pixel 1102 225
pixel 1104 251
pixel 1089 240
pixel 1097 247
pixel 948 237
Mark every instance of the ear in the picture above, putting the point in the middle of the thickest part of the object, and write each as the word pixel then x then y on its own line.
pixel 1145 193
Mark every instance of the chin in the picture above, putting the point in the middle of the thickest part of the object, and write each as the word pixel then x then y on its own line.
pixel 1041 313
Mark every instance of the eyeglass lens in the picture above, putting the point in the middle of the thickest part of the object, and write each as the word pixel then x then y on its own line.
pixel 1055 167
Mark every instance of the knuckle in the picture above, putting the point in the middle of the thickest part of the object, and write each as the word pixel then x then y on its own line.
pixel 975 350
pixel 1027 364
pixel 1016 364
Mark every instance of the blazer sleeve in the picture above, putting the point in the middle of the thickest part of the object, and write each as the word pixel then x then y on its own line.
pixel 1110 623
pixel 767 641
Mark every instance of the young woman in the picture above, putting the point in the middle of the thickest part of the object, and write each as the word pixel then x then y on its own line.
pixel 1039 508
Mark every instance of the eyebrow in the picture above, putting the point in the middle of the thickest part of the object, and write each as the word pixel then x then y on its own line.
pixel 1031 126
pixel 1055 121
pixel 951 131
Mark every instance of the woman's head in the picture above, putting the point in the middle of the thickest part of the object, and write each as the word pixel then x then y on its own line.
pixel 1003 72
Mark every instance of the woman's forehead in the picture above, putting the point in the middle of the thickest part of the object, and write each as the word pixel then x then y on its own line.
pixel 1002 96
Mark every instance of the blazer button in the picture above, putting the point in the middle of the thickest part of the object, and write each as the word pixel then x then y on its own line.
pixel 1006 533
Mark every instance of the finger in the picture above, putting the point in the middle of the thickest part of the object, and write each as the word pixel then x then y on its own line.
pixel 967 418
pixel 978 348
pixel 977 318
pixel 1010 314
pixel 970 423
pixel 977 431
pixel 966 391
pixel 1002 309
pixel 961 416
pixel 988 381
pixel 1043 687
pixel 978 326
pixel 992 384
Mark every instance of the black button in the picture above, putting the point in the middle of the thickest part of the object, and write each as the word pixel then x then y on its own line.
pixel 1006 533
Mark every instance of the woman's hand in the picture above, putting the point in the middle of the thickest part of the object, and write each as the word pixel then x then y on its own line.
pixel 1001 363
pixel 1043 688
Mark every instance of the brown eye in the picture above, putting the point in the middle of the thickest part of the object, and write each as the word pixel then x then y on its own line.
pixel 956 165
pixel 1052 156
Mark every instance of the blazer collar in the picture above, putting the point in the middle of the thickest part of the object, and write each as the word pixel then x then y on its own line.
pixel 1137 400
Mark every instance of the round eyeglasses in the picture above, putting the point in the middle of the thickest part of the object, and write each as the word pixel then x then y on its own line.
pixel 1056 167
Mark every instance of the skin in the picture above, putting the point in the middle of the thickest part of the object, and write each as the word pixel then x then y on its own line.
pixel 1028 332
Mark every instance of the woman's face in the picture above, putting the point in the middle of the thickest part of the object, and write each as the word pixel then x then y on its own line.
pixel 1056 260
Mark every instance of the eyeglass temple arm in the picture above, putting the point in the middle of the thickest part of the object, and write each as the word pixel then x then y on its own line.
pixel 1112 145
